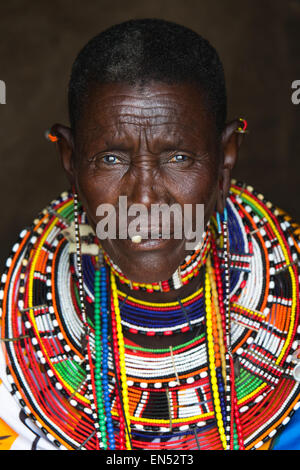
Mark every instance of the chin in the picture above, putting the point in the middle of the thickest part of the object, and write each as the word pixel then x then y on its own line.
pixel 146 262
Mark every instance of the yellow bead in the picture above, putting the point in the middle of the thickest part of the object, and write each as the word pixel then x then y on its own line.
pixel 214 380
pixel 218 409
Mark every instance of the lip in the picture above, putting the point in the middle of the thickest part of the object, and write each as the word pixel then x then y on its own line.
pixel 155 234
pixel 148 244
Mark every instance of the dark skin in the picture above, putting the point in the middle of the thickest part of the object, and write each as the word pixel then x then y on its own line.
pixel 154 144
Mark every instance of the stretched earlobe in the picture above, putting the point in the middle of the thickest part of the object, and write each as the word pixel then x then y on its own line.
pixel 232 138
pixel 65 142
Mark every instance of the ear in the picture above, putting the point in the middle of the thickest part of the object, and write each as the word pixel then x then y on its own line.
pixel 65 145
pixel 231 142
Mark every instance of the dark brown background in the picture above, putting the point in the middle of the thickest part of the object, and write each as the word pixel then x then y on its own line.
pixel 258 41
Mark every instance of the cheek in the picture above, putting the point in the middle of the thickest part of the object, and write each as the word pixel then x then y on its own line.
pixel 199 187
pixel 93 191
pixel 203 190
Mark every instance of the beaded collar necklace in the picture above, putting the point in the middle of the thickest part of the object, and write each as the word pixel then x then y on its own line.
pixel 186 271
pixel 85 386
pixel 146 317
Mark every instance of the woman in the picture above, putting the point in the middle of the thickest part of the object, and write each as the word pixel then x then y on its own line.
pixel 137 342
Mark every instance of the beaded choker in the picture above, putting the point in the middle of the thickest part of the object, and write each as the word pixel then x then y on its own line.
pixel 79 379
pixel 186 271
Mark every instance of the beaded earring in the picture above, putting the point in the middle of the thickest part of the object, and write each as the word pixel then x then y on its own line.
pixel 242 129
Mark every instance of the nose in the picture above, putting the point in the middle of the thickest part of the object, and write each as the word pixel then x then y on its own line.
pixel 144 184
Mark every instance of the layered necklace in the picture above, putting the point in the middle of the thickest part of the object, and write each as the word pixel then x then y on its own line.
pixel 86 386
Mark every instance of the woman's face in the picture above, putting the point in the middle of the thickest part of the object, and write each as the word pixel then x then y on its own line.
pixel 155 144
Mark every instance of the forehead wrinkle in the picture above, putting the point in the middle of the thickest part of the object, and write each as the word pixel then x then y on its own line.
pixel 141 107
pixel 143 115
pixel 169 128
pixel 167 136
pixel 157 96
pixel 157 121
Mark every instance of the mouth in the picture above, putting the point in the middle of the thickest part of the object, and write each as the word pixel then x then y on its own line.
pixel 149 241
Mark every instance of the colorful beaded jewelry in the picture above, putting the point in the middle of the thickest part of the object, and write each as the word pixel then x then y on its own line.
pixel 86 386
pixel 189 269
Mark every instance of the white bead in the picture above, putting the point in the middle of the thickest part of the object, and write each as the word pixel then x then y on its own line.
pixel 201 424
pixel 244 409
pixel 23 233
pixel 185 427
pixel 140 427
pixel 157 385
pixel 259 444
pixel 296 373
pixel 190 380
pixel 258 399
pixel 173 383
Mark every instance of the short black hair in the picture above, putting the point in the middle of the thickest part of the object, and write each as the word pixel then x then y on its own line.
pixel 145 50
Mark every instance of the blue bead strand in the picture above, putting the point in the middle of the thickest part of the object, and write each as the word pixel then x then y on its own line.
pixel 105 352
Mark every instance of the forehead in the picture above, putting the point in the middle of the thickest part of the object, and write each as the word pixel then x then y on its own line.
pixel 155 105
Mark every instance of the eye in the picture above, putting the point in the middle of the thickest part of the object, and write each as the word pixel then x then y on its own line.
pixel 110 159
pixel 178 158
